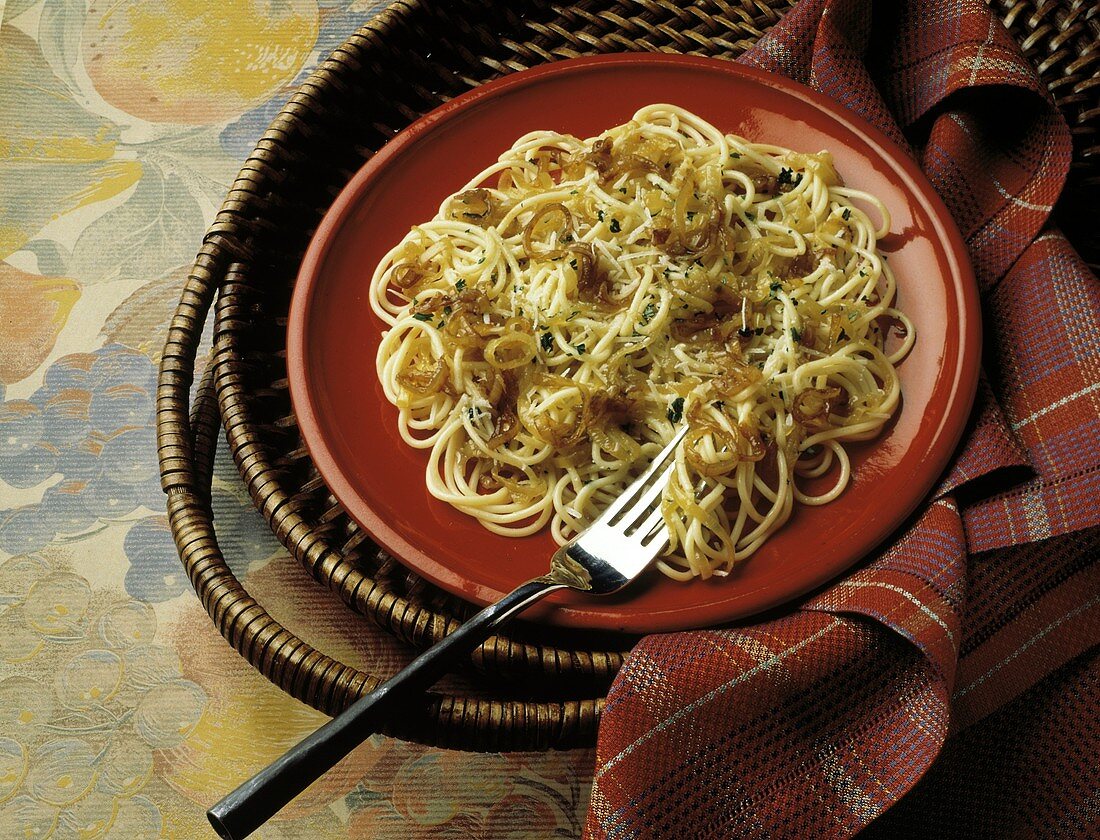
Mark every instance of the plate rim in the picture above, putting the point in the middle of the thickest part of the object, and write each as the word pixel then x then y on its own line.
pixel 944 443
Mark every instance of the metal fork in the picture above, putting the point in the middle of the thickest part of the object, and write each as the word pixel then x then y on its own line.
pixel 613 551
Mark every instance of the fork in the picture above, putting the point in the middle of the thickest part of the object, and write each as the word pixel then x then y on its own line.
pixel 607 556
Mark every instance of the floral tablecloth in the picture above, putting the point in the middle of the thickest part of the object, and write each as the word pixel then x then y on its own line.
pixel 123 714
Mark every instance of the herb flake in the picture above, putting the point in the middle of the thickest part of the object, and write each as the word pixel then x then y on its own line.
pixel 788 179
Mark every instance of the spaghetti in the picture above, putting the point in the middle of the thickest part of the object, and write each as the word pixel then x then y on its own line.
pixel 548 333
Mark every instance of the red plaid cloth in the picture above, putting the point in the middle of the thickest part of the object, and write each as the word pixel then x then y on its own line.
pixel 815 723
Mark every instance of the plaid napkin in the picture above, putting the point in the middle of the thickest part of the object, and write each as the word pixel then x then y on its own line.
pixel 976 623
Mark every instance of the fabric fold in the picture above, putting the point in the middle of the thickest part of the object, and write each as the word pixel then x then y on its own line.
pixel 815 723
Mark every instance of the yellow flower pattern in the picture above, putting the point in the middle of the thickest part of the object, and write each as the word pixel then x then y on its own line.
pixel 123 714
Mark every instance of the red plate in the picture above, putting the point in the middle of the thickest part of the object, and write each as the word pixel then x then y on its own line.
pixel 351 431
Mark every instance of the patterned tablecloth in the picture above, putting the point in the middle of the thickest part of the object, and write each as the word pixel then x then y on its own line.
pixel 123 714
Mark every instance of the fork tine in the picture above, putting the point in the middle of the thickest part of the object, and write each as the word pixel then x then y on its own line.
pixel 633 499
pixel 645 529
pixel 645 501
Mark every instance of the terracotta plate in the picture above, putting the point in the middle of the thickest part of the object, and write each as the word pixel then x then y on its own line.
pixel 350 429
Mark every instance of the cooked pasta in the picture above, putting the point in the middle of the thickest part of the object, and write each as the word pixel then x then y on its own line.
pixel 577 300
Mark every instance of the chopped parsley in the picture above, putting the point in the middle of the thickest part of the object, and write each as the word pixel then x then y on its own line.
pixel 676 410
pixel 423 316
pixel 648 313
pixel 796 336
pixel 580 348
pixel 735 155
pixel 599 215
pixel 788 179
pixel 615 226
pixel 547 341
pixel 460 283
pixel 847 214
pixel 447 310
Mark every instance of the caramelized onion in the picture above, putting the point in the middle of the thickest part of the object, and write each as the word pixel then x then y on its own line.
pixel 433 304
pixel 635 162
pixel 490 384
pixel 519 324
pixel 615 442
pixel 611 409
pixel 510 350
pixel 505 427
pixel 600 158
pixel 466 325
pixel 722 441
pixel 465 329
pixel 591 282
pixel 424 381
pixel 475 205
pixel 812 407
pixel 764 183
pixel 696 237
pixel 505 476
pixel 565 230
pixel 406 275
pixel 506 423
pixel 639 152
pixel 701 236
pixel 554 432
pixel 749 445
pixel 801 266
pixel 736 378
pixel 549 162
pixel 702 326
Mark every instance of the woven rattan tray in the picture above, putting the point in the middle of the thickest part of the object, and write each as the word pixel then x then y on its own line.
pixel 377 82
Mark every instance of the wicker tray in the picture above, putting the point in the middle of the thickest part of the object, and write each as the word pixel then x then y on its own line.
pixel 373 85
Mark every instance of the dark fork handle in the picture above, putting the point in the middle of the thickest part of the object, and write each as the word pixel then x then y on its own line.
pixel 261 797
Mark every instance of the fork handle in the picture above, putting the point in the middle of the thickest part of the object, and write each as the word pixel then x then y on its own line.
pixel 261 797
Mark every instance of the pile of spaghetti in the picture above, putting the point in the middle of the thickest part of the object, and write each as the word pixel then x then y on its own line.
pixel 562 314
